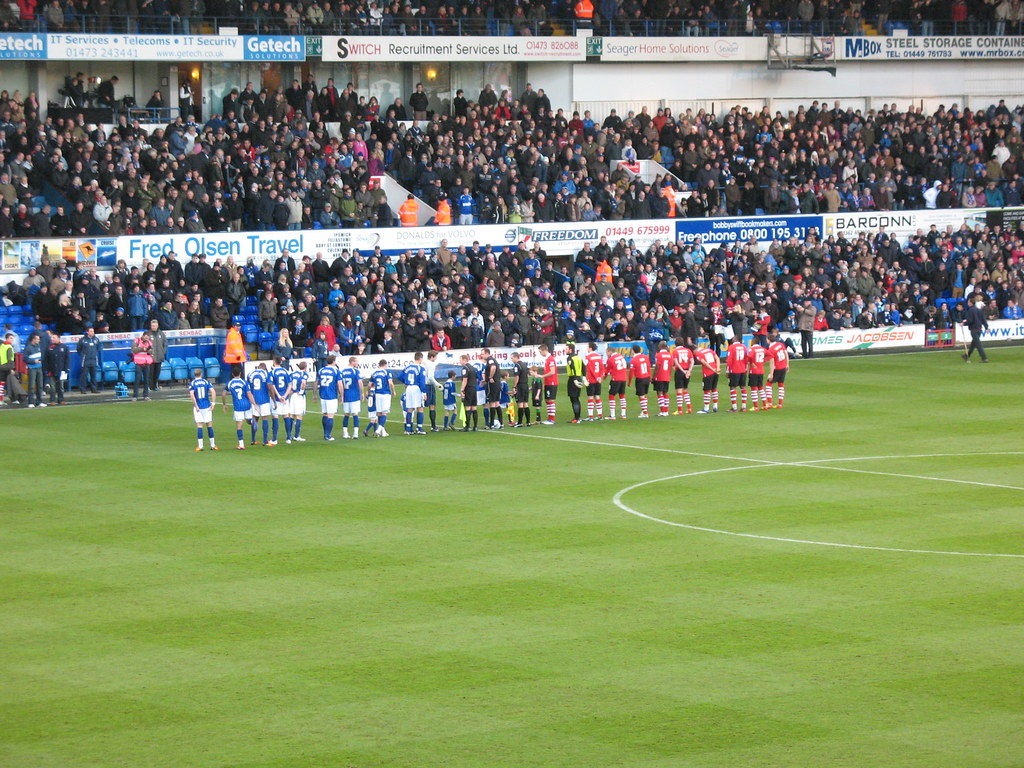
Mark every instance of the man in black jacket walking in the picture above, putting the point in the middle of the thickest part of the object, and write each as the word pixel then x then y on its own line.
pixel 55 367
pixel 975 322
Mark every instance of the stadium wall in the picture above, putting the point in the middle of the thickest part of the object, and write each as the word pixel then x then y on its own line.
pixel 207 342
pixel 116 347
pixel 558 239
pixel 859 84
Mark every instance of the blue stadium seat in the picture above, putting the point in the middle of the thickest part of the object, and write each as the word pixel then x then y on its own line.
pixel 251 333
pixel 267 341
pixel 111 373
pixel 165 373
pixel 212 365
pixel 128 373
pixel 179 370
pixel 192 363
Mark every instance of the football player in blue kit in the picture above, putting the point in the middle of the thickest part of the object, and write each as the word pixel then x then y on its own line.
pixel 279 380
pixel 297 381
pixel 202 393
pixel 238 390
pixel 384 390
pixel 259 383
pixel 449 399
pixel 352 398
pixel 327 383
pixel 414 376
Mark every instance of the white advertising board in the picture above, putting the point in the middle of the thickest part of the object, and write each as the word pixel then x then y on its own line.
pixel 998 330
pixel 191 333
pixel 902 224
pixel 160 47
pixel 640 49
pixel 425 49
pixel 925 47
pixel 556 239
pixel 853 339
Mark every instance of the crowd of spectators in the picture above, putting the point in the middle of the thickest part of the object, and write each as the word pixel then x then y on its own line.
pixel 468 297
pixel 524 17
pixel 268 162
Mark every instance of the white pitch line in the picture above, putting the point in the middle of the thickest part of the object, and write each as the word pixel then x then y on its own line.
pixel 639 447
pixel 812 464
pixel 910 456
pixel 908 477
pixel 617 500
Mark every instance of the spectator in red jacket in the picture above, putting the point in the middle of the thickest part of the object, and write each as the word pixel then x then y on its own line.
pixel 440 341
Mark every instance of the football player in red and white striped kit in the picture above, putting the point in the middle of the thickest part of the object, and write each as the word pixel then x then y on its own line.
pixel 709 361
pixel 757 356
pixel 550 382
pixel 736 365
pixel 595 374
pixel 778 358
pixel 618 371
pixel 682 362
pixel 640 371
pixel 662 376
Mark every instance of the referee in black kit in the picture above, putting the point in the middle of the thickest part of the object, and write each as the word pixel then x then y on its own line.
pixel 492 383
pixel 522 390
pixel 976 322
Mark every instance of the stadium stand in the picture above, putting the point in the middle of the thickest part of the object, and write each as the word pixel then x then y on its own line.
pixel 526 17
pixel 267 161
pixel 521 164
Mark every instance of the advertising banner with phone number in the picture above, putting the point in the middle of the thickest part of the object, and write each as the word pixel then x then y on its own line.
pixel 763 229
pixel 557 239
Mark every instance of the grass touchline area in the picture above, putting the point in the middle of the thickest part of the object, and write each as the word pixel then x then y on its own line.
pixel 836 583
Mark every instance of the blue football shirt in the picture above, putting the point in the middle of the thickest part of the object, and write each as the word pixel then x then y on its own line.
pixel 327 380
pixel 381 379
pixel 280 378
pixel 448 392
pixel 239 389
pixel 298 382
pixel 259 381
pixel 203 390
pixel 414 376
pixel 350 379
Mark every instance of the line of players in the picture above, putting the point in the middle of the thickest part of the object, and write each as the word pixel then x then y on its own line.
pixel 269 393
pixel 752 370
pixel 269 396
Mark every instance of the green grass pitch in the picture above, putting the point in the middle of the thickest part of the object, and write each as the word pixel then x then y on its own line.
pixel 480 600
